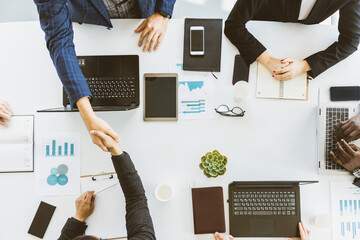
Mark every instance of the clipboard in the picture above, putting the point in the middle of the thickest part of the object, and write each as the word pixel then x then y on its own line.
pixel 108 218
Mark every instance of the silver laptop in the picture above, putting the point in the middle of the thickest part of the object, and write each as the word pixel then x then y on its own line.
pixel 329 116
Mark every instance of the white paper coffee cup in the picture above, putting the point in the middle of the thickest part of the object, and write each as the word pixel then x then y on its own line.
pixel 241 90
pixel 164 192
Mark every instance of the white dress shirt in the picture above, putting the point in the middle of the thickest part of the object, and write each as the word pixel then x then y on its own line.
pixel 305 9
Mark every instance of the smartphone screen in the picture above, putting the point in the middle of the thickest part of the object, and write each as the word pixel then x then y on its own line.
pixel 41 220
pixel 197 41
pixel 348 93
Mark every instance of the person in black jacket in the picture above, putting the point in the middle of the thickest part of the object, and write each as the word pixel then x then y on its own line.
pixel 297 11
pixel 348 155
pixel 138 220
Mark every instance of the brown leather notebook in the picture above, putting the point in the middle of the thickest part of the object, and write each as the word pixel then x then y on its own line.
pixel 208 210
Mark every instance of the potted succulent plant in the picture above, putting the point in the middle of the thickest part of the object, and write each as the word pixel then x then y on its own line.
pixel 213 164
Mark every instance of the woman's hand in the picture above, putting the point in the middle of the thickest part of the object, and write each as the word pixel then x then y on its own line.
pixel 270 62
pixel 304 233
pixel 290 69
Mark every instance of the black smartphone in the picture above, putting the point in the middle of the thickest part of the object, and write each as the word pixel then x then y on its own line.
pixel 41 220
pixel 241 70
pixel 348 93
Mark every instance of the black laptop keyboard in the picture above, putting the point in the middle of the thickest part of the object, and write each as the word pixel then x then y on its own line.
pixel 264 203
pixel 122 87
pixel 333 117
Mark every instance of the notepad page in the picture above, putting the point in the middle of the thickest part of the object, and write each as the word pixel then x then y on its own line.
pixel 266 85
pixel 296 88
pixel 16 145
pixel 269 87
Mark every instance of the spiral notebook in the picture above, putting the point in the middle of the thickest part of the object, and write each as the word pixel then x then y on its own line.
pixel 269 87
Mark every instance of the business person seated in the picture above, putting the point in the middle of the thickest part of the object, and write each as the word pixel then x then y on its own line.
pixel 56 18
pixel 304 234
pixel 296 11
pixel 348 155
pixel 138 220
pixel 5 113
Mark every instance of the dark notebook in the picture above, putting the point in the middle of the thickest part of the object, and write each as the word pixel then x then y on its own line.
pixel 211 60
pixel 208 210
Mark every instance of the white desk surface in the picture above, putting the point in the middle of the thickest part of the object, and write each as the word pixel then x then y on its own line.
pixel 276 139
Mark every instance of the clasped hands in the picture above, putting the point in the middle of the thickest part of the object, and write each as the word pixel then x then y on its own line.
pixel 283 69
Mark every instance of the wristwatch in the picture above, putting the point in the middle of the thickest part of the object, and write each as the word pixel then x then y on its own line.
pixel 357 173
pixel 164 14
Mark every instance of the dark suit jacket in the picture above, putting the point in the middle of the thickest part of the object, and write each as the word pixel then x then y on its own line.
pixel 56 18
pixel 288 11
pixel 139 225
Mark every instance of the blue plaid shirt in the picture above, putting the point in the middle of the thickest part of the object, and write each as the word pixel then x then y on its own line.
pixel 56 17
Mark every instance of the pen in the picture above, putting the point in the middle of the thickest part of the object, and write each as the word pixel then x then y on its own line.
pixel 103 189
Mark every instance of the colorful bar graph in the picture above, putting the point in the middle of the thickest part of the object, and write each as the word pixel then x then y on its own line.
pixel 65 149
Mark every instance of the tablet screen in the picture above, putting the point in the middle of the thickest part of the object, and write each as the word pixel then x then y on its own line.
pixel 161 97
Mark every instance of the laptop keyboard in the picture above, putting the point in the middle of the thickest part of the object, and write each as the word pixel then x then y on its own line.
pixel 333 117
pixel 122 87
pixel 264 203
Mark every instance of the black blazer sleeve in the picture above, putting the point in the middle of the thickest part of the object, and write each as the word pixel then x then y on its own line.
pixel 249 47
pixel 139 225
pixel 72 229
pixel 348 41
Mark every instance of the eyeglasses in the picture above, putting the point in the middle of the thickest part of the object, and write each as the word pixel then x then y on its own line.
pixel 224 110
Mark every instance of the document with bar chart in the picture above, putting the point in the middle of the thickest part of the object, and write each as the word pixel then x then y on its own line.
pixel 195 99
pixel 345 204
pixel 57 164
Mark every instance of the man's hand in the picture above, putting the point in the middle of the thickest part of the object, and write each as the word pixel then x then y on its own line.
pixel 217 236
pixel 85 206
pixel 348 130
pixel 347 155
pixel 290 69
pixel 93 122
pixel 5 113
pixel 108 142
pixel 153 29
pixel 304 233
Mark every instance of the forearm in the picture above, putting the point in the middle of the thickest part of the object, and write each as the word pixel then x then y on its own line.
pixel 55 22
pixel 86 111
pixel 138 220
pixel 72 229
pixel 235 30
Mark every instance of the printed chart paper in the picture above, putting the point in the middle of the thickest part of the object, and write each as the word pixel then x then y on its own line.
pixel 57 164
pixel 345 204
pixel 195 99
pixel 195 93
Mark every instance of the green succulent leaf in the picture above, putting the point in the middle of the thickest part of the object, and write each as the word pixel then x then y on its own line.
pixel 201 166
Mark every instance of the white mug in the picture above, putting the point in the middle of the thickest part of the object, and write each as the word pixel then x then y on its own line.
pixel 241 90
pixel 163 192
